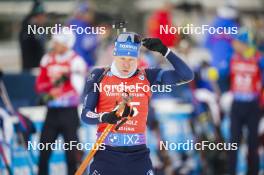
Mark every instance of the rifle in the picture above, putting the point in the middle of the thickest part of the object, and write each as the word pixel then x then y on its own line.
pixel 119 24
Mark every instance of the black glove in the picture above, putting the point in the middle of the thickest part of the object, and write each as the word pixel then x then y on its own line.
pixel 112 118
pixel 44 99
pixel 61 80
pixel 155 44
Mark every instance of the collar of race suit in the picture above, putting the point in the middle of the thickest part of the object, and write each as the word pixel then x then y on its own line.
pixel 115 71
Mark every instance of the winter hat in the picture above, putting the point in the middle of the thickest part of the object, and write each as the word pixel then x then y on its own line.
pixel 127 44
pixel 64 36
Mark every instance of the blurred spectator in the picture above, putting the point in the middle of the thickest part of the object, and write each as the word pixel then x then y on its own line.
pixel 246 69
pixel 220 44
pixel 206 76
pixel 85 44
pixel 61 79
pixel 32 45
pixel 162 17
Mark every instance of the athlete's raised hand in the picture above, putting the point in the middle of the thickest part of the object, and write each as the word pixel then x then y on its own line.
pixel 155 44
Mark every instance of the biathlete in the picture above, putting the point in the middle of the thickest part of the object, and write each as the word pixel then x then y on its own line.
pixel 246 84
pixel 61 79
pixel 125 149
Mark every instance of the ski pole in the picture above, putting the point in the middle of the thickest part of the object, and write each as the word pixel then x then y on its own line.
pixel 9 106
pixel 89 157
pixel 2 153
pixel 100 140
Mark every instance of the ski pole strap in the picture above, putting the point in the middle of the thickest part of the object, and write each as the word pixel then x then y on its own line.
pixel 123 139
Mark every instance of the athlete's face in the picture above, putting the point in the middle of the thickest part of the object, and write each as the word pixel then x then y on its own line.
pixel 239 47
pixel 126 65
pixel 59 48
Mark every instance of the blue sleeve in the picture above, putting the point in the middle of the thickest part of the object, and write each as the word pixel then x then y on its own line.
pixel 261 65
pixel 88 114
pixel 180 75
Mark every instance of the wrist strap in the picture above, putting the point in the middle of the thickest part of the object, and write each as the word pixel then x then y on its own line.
pixel 167 53
pixel 100 116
